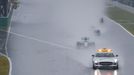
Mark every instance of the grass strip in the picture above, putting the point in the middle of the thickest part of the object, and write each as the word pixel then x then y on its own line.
pixel 125 18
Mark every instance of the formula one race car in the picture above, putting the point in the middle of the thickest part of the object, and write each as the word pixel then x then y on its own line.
pixel 85 43
pixel 105 59
pixel 101 20
pixel 97 32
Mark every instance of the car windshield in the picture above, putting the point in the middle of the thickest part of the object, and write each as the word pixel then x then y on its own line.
pixel 104 55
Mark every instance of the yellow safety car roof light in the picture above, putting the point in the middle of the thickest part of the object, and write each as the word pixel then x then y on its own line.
pixel 104 50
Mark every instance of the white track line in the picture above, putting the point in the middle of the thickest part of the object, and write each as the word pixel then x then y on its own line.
pixel 35 39
pixel 38 40
pixel 31 38
pixel 127 23
pixel 120 26
pixel 41 41
pixel 9 29
pixel 10 62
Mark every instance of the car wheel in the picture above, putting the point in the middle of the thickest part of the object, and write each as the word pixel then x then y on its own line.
pixel 115 68
pixel 94 67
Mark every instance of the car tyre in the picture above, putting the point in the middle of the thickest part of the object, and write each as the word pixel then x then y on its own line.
pixel 94 67
pixel 117 67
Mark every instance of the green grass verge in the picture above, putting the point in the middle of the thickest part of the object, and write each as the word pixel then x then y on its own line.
pixel 4 66
pixel 125 18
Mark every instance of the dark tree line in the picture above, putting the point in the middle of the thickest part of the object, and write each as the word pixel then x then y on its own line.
pixel 4 7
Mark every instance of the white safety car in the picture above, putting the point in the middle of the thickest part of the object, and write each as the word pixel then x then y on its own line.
pixel 104 59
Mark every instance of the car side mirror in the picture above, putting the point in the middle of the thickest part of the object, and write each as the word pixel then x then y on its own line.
pixel 92 55
pixel 116 55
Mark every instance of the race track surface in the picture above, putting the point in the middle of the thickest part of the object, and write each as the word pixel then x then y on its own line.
pixel 44 33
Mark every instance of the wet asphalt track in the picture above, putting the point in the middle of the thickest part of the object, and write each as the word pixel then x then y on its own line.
pixel 44 34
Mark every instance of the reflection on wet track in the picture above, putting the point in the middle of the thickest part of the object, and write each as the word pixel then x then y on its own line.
pixel 105 72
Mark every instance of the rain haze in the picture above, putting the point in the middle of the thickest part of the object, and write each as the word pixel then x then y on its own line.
pixel 44 33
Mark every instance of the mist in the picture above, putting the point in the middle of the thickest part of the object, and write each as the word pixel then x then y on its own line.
pixel 80 14
pixel 45 32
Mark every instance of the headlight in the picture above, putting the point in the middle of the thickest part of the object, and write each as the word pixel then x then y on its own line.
pixel 95 61
pixel 115 60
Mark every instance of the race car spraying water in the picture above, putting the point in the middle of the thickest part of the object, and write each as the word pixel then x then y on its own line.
pixel 85 43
